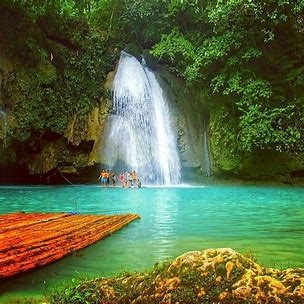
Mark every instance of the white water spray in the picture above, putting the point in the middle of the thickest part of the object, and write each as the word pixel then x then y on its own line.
pixel 206 153
pixel 140 132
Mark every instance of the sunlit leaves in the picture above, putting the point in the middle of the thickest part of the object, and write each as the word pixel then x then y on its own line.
pixel 251 54
pixel 177 49
pixel 173 45
pixel 51 82
pixel 248 52
pixel 278 128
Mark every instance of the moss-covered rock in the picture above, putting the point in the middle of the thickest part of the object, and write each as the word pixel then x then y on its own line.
pixel 209 276
pixel 224 140
pixel 52 74
pixel 190 111
pixel 133 49
pixel 230 160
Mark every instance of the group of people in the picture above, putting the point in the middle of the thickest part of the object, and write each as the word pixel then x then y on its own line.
pixel 126 179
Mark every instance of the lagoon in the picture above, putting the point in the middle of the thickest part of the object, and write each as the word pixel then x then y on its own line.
pixel 265 221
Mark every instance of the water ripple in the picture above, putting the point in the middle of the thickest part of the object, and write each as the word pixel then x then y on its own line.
pixel 269 221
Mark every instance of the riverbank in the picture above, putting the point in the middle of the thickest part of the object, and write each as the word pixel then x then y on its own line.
pixel 209 276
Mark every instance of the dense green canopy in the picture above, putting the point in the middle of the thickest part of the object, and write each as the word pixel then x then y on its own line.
pixel 247 54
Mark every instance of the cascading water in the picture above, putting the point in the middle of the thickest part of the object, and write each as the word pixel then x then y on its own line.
pixel 206 152
pixel 140 132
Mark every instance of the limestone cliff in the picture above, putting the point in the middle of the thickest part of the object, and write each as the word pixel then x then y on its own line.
pixel 208 141
pixel 191 115
pixel 55 77
pixel 53 100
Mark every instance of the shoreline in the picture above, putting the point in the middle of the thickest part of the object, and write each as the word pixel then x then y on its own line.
pixel 212 181
pixel 211 275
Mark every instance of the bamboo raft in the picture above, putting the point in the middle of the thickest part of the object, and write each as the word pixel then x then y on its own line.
pixel 31 240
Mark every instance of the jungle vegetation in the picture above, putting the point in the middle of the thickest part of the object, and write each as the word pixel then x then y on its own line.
pixel 248 55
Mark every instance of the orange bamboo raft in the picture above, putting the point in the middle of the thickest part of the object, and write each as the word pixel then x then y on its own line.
pixel 31 240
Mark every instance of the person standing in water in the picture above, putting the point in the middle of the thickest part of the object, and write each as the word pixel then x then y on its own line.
pixel 129 179
pixel 107 176
pixel 134 178
pixel 126 179
pixel 102 178
pixel 113 177
pixel 122 179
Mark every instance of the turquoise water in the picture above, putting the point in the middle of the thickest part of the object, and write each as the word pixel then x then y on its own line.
pixel 267 221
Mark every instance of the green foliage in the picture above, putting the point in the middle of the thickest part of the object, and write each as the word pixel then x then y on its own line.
pixel 53 78
pixel 225 145
pixel 107 20
pixel 194 287
pixel 277 128
pixel 145 20
pixel 77 291
pixel 250 52
pixel 23 301
pixel 69 8
pixel 177 49
pixel 123 288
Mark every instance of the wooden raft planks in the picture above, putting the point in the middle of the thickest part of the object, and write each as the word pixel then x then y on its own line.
pixel 31 240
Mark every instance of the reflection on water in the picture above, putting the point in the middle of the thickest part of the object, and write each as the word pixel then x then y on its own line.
pixel 164 218
pixel 269 221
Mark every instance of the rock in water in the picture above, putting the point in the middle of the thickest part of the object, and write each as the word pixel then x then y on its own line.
pixel 209 276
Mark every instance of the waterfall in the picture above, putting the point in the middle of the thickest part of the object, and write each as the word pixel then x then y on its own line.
pixel 3 127
pixel 206 152
pixel 140 131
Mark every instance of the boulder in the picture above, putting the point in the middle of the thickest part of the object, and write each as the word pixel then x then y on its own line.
pixel 209 276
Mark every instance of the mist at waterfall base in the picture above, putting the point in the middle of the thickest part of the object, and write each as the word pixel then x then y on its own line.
pixel 140 132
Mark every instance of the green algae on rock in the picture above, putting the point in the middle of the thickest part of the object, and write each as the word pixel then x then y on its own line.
pixel 209 276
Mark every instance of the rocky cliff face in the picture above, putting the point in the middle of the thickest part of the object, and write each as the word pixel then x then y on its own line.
pixel 229 161
pixel 191 115
pixel 208 141
pixel 210 276
pixel 52 96
pixel 55 77
pixel 77 149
